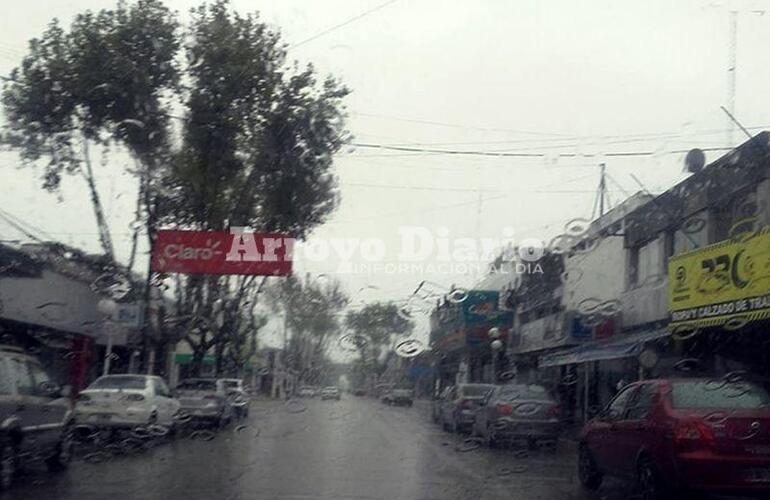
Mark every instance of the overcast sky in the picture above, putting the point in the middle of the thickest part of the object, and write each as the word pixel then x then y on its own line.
pixel 573 78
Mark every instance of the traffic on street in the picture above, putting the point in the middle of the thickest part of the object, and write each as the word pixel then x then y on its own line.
pixel 315 449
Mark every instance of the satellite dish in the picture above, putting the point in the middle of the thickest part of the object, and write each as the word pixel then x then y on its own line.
pixel 695 160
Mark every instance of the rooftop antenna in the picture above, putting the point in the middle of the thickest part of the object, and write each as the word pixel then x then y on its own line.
pixel 602 195
pixel 734 120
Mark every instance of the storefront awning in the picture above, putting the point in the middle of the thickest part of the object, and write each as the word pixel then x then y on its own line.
pixel 624 346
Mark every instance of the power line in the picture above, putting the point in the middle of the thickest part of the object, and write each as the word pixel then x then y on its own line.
pixel 520 154
pixel 342 24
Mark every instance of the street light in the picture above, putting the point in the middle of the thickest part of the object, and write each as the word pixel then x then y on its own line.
pixel 496 345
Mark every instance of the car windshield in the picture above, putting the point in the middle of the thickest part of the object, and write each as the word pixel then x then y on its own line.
pixel 719 395
pixel 398 249
pixel 197 385
pixel 119 382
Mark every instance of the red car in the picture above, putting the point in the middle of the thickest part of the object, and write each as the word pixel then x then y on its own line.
pixel 680 435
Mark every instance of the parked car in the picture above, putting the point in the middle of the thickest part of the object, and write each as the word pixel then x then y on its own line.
pixel 237 396
pixel 398 397
pixel 127 401
pixel 455 409
pixel 330 392
pixel 518 411
pixel 206 400
pixel 380 390
pixel 35 416
pixel 679 435
pixel 306 392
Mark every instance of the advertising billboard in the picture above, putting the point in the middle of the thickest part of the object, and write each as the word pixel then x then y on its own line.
pixel 219 252
pixel 721 282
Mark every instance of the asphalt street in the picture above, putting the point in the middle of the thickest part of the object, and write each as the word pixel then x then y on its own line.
pixel 356 448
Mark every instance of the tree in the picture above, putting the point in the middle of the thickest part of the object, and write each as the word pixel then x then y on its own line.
pixel 311 309
pixel 376 326
pixel 102 82
pixel 258 139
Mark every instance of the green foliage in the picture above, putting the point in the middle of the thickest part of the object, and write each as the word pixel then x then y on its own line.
pixel 102 80
pixel 311 309
pixel 378 324
pixel 259 136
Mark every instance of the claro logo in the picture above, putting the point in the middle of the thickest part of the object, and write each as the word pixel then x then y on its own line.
pixel 183 252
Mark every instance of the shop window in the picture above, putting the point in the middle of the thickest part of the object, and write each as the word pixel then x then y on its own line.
pixel 694 231
pixel 633 267
pixel 40 379
pixel 5 380
pixel 669 249
pixel 25 385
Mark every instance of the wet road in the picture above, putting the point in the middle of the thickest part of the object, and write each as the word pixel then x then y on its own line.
pixel 311 449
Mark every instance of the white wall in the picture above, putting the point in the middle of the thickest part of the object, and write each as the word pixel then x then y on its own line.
pixel 55 301
pixel 597 274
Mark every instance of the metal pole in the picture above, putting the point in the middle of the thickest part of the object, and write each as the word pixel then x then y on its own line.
pixel 494 365
pixel 107 354
pixel 585 391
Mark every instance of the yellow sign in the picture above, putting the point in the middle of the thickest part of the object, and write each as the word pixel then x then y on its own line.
pixel 724 282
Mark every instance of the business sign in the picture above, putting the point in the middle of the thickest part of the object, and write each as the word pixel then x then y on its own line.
pixel 128 315
pixel 219 252
pixel 480 312
pixel 726 281
pixel 482 307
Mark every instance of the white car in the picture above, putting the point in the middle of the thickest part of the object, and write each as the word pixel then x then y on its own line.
pixel 127 401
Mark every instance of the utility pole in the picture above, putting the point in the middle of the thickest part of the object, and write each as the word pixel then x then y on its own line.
pixel 732 68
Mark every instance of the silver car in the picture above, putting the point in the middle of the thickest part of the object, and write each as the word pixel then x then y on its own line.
pixel 518 412
pixel 455 408
pixel 205 400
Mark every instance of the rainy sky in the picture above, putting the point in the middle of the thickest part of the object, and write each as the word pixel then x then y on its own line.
pixel 574 82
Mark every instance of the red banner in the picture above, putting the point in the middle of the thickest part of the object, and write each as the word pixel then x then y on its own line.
pixel 219 252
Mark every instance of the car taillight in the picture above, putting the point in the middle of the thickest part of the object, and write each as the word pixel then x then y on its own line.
pixel 466 404
pixel 504 409
pixel 693 435
pixel 554 411
pixel 134 397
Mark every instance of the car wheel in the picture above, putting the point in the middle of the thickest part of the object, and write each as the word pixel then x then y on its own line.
pixel 588 473
pixel 648 482
pixel 63 453
pixel 8 462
